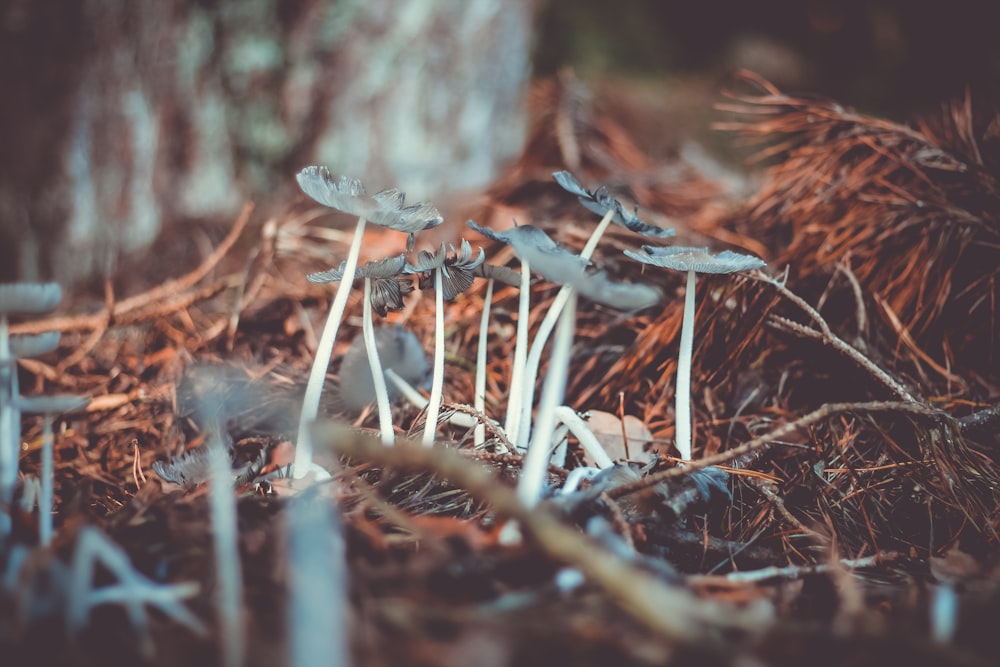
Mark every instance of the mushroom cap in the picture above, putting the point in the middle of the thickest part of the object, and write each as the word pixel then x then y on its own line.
pixel 29 298
pixel 387 267
pixel 597 286
pixel 398 349
pixel 457 270
pixel 389 285
pixel 384 208
pixel 24 346
pixel 544 255
pixel 600 202
pixel 52 405
pixel 189 469
pixel 699 260
pixel 561 266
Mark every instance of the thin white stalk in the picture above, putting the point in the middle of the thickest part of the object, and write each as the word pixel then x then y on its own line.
pixel 515 397
pixel 45 497
pixel 437 380
pixel 588 440
pixel 229 571
pixel 479 437
pixel 375 365
pixel 532 480
pixel 324 350
pixel 534 358
pixel 682 392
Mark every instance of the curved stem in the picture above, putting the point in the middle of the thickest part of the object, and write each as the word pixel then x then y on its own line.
pixel 437 382
pixel 532 480
pixel 375 365
pixel 534 359
pixel 682 392
pixel 47 483
pixel 324 350
pixel 588 440
pixel 479 399
pixel 515 394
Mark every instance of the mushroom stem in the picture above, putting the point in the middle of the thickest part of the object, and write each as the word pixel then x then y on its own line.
pixel 545 330
pixel 437 380
pixel 682 392
pixel 479 399
pixel 324 350
pixel 10 423
pixel 532 480
pixel 375 365
pixel 515 397
pixel 47 482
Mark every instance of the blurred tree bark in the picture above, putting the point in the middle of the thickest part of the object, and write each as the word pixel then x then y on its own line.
pixel 118 115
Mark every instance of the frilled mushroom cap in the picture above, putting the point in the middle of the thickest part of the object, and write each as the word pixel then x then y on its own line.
pixel 457 269
pixel 699 260
pixel 389 282
pixel 386 208
pixel 600 202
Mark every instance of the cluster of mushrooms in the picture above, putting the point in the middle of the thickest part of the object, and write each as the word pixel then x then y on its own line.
pixel 450 271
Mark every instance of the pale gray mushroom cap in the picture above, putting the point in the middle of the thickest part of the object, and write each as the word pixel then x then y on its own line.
pixel 52 405
pixel 398 349
pixel 29 298
pixel 600 202
pixel 699 260
pixel 544 255
pixel 561 266
pixel 389 284
pixel 386 208
pixel 26 346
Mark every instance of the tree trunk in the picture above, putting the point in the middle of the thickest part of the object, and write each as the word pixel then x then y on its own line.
pixel 119 115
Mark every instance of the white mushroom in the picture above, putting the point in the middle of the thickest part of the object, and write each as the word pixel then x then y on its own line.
pixel 385 208
pixel 691 260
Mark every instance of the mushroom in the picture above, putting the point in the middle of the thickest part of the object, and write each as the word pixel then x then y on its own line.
pixel 692 260
pixel 385 288
pixel 48 407
pixel 572 271
pixel 385 208
pixel 628 297
pixel 449 276
pixel 22 299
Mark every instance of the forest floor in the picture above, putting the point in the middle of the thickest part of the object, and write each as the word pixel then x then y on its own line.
pixel 851 392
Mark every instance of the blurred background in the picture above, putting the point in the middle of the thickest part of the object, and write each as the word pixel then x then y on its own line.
pixel 120 119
